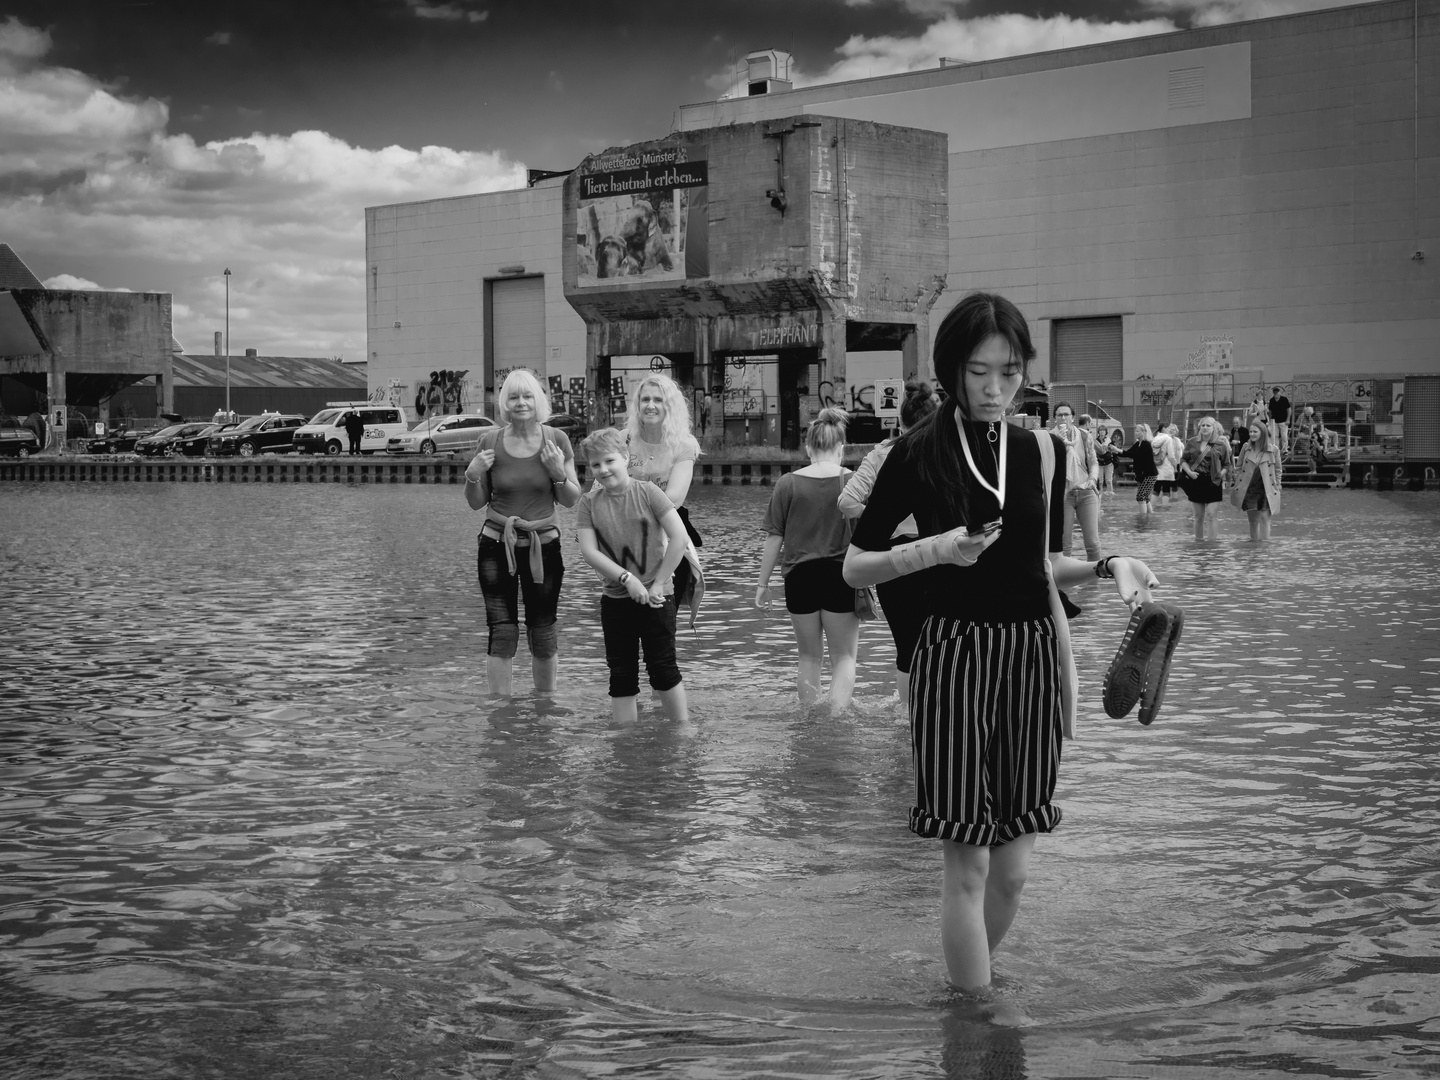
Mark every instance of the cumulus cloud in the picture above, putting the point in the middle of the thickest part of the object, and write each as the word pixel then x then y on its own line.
pixel 990 37
pixel 89 175
pixel 986 37
pixel 1215 12
pixel 20 44
pixel 70 281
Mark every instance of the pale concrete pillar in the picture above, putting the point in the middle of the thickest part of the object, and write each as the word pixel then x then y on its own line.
pixel 710 433
pixel 832 357
pixel 57 409
pixel 597 380
pixel 914 346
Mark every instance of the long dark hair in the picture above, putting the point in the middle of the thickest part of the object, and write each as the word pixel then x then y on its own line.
pixel 934 443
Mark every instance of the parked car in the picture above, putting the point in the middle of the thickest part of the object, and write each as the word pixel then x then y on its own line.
pixel 117 440
pixel 456 433
pixel 268 433
pixel 198 444
pixel 574 427
pixel 17 440
pixel 325 433
pixel 163 442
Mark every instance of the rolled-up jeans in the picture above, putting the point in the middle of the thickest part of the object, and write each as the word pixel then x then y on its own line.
pixel 1083 503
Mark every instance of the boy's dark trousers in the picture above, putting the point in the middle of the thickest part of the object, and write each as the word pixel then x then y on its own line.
pixel 629 628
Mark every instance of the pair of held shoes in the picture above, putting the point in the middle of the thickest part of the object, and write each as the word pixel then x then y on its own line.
pixel 1141 666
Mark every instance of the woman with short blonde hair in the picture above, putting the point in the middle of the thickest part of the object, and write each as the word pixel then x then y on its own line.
pixel 521 471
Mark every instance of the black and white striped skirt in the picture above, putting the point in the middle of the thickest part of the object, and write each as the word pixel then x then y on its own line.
pixel 985 724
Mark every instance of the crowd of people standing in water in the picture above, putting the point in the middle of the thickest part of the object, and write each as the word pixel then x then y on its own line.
pixel 962 524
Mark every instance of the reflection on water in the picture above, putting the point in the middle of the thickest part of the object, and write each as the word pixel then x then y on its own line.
pixel 259 819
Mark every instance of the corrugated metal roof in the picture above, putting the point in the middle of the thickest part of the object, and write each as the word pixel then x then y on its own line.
pixel 277 371
pixel 14 274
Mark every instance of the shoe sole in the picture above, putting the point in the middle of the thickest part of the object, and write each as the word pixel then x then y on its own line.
pixel 1158 673
pixel 1125 680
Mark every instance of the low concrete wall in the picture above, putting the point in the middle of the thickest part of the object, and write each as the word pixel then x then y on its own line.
pixel 307 470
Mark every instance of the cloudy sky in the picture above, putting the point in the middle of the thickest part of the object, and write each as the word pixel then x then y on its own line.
pixel 149 145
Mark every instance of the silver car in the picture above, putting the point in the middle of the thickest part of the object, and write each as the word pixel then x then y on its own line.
pixel 457 433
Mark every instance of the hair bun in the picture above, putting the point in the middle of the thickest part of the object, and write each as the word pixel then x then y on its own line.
pixel 918 388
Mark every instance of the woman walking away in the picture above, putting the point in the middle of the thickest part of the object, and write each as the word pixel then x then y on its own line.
pixel 663 451
pixel 903 600
pixel 1257 487
pixel 1201 475
pixel 521 470
pixel 992 682
pixel 1142 453
pixel 804 523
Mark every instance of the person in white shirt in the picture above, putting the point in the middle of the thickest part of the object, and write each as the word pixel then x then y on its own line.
pixel 1082 476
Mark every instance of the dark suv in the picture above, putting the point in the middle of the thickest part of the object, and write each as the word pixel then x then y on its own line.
pixel 16 439
pixel 268 433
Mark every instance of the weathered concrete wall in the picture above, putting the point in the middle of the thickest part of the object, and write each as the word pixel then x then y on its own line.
pixel 92 340
pixel 863 234
pixel 98 332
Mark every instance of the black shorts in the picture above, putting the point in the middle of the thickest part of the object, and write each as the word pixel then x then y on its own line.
pixel 818 585
pixel 1164 487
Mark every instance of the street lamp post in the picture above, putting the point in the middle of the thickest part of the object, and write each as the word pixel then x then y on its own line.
pixel 227 340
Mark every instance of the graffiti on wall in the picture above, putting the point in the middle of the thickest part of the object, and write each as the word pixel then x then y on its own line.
pixel 855 399
pixel 743 394
pixel 391 394
pixel 443 393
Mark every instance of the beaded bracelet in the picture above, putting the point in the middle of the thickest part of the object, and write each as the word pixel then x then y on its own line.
pixel 1102 568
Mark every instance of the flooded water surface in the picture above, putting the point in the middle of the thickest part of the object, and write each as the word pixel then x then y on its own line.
pixel 259 818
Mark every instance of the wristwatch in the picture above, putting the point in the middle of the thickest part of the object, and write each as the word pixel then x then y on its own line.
pixel 623 578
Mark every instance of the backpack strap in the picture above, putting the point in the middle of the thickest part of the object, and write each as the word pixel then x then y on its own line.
pixel 1069 679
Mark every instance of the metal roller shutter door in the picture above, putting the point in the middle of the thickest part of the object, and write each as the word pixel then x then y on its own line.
pixel 1090 351
pixel 1422 418
pixel 517 309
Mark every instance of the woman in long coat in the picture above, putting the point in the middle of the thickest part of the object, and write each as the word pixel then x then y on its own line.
pixel 1257 485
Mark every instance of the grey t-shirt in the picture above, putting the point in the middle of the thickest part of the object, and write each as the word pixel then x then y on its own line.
pixel 803 512
pixel 627 529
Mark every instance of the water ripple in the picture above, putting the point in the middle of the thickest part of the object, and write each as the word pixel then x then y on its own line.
pixel 258 818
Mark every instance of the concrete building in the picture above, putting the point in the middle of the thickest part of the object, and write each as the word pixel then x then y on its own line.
pixel 66 348
pixel 1215 208
pixel 462 290
pixel 780 247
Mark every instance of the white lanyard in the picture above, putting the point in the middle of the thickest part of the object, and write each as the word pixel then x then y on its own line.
pixel 997 489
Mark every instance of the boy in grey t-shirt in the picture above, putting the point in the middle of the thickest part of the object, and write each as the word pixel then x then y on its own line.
pixel 632 536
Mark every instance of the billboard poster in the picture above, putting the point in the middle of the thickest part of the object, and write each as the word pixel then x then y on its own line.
pixel 642 215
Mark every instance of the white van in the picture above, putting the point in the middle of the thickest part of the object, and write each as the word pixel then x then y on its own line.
pixel 325 433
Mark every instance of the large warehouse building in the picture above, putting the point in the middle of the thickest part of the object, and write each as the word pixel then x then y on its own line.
pixel 1194 213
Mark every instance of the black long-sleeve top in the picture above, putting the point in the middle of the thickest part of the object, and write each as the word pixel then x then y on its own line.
pixel 1143 454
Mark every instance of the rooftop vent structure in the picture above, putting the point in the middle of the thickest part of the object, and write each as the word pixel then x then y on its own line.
pixel 767 72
